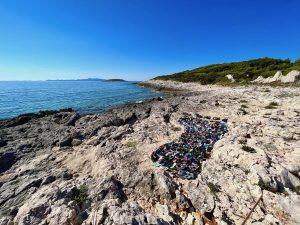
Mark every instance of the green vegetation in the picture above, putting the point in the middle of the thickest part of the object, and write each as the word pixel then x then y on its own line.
pixel 243 141
pixel 247 171
pixel 242 72
pixel 214 189
pixel 176 128
pixel 296 190
pixel 243 111
pixel 285 193
pixel 131 144
pixel 248 149
pixel 264 186
pixel 80 195
pixel 272 105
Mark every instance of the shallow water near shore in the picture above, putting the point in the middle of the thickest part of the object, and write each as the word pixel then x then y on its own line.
pixel 19 97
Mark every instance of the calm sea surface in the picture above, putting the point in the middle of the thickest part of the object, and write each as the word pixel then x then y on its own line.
pixel 19 97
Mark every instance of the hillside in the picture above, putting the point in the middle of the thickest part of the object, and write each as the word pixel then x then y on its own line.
pixel 244 71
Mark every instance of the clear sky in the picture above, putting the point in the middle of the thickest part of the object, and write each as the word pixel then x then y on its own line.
pixel 139 39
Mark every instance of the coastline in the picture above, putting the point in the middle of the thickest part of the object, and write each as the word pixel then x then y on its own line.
pixel 86 97
pixel 51 156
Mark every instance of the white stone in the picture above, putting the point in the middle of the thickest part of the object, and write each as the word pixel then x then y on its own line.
pixel 290 77
pixel 230 77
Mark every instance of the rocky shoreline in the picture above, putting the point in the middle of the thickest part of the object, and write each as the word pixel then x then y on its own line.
pixel 64 168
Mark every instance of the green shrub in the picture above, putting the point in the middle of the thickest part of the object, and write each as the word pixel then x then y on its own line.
pixel 248 149
pixel 243 111
pixel 80 195
pixel 263 186
pixel 131 144
pixel 214 189
pixel 176 128
pixel 285 193
pixel 243 141
pixel 296 190
pixel 272 105
pixel 247 171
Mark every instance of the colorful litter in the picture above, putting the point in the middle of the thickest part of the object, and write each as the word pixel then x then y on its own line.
pixel 184 156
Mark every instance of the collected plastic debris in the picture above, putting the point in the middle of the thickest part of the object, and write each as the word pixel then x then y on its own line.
pixel 183 157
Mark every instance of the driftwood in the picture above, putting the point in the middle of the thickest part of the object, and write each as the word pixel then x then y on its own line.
pixel 248 216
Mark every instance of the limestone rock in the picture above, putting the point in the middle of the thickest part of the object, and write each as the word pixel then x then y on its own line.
pixel 289 180
pixel 201 196
pixel 230 77
pixel 291 77
pixel 164 213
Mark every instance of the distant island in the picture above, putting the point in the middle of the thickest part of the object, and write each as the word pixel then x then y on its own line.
pixel 88 79
pixel 93 79
pixel 115 80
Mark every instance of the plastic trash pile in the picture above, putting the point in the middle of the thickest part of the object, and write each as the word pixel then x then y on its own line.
pixel 183 157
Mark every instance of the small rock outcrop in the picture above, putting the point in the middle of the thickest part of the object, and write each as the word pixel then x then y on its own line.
pixel 230 77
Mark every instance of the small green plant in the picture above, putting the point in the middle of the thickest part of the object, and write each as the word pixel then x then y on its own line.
pixel 262 185
pixel 272 105
pixel 289 138
pixel 244 106
pixel 80 195
pixel 214 189
pixel 285 193
pixel 296 190
pixel 247 171
pixel 243 111
pixel 243 141
pixel 176 128
pixel 248 149
pixel 131 144
pixel 243 101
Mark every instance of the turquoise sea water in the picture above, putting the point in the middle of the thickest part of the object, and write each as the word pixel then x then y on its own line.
pixel 19 97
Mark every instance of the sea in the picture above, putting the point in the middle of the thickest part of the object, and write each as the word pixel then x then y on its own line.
pixel 86 97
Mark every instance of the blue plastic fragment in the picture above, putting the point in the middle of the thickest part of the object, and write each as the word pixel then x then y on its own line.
pixel 183 157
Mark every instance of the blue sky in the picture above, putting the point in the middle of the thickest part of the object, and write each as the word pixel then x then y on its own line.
pixel 139 39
